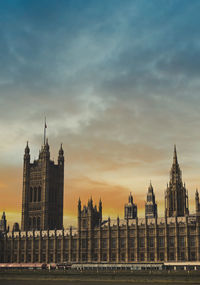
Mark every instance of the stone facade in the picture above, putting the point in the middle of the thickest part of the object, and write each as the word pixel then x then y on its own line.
pixel 42 196
pixel 175 237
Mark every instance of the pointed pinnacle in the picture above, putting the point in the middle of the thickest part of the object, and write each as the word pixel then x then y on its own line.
pixel 175 160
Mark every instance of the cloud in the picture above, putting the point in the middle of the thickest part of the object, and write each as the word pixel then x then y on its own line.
pixel 119 84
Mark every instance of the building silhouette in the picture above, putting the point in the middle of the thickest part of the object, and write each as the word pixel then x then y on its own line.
pixel 42 196
pixel 175 237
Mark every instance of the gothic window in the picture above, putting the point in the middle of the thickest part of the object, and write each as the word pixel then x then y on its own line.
pixel 35 195
pixel 151 256
pixel 171 256
pixel 84 256
pixel 29 223
pixel 29 258
pixel 104 257
pixel 95 256
pixel 123 257
pixel 161 256
pixel 95 243
pixel 122 242
pixel 74 244
pixel 131 242
pixel 84 224
pixel 113 242
pixel 74 257
pixel 22 244
pixel 192 241
pixel 182 242
pixel 44 244
pixel 58 258
pixel 59 244
pixel 104 243
pixel 183 256
pixel 193 256
pixel 34 222
pixel 15 244
pixel 161 241
pixel 31 194
pixel 22 258
pixel 44 257
pixel 66 243
pixel 36 244
pixel 132 256
pixel 141 242
pixel 29 244
pixel 38 223
pixel 171 241
pixel 39 194
pixel 151 242
pixel 113 257
pixel 84 243
pixel 142 256
pixel 51 244
pixel 36 258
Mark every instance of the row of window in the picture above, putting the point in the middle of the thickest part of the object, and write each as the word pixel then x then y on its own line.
pixel 104 257
pixel 104 242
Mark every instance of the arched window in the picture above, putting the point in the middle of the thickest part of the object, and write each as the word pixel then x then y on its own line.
pixel 34 223
pixel 39 194
pixel 38 223
pixel 31 194
pixel 35 194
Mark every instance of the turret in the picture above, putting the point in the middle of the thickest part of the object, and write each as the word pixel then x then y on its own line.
pixel 61 156
pixel 197 206
pixel 27 153
pixel 150 205
pixel 130 209
pixel 3 223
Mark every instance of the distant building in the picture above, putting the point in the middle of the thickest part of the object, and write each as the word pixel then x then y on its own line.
pixel 174 237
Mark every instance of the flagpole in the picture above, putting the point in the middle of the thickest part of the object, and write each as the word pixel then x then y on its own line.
pixel 45 131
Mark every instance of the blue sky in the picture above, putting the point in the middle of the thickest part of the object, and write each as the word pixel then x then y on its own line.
pixel 118 82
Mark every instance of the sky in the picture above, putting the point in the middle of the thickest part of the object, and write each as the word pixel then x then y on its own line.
pixel 119 83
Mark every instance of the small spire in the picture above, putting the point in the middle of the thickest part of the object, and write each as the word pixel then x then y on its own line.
pixel 175 160
pixel 45 127
pixel 27 149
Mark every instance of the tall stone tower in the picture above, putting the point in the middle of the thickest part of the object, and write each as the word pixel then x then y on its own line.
pixel 176 197
pixel 150 205
pixel 43 184
pixel 130 209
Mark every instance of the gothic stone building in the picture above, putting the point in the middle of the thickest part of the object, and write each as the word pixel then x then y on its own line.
pixel 42 196
pixel 175 237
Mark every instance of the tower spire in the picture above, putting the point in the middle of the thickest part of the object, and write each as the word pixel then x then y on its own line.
pixel 45 127
pixel 175 159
